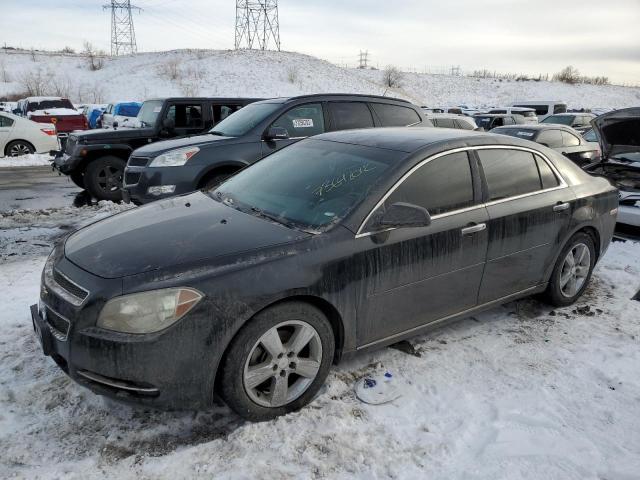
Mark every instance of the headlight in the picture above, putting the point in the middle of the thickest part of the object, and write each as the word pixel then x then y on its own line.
pixel 174 158
pixel 148 312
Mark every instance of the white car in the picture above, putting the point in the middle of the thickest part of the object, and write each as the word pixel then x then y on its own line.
pixel 19 136
pixel 543 108
pixel 529 114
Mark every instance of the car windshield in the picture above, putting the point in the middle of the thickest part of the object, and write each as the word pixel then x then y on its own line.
pixel 149 113
pixel 309 185
pixel 49 104
pixel 240 122
pixel 559 119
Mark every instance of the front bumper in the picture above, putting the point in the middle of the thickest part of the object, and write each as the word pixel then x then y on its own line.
pixel 167 369
pixel 65 163
pixel 137 181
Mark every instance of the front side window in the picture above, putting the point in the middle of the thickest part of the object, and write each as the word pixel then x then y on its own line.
pixel 348 115
pixel 5 121
pixel 310 185
pixel 395 115
pixel 245 119
pixel 302 121
pixel 441 185
pixel 509 172
pixel 186 115
pixel 550 138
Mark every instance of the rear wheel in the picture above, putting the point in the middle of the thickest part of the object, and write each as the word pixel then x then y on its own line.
pixel 18 148
pixel 103 178
pixel 277 362
pixel 572 271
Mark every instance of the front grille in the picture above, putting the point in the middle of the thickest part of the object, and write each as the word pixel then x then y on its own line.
pixel 71 144
pixel 59 326
pixel 138 161
pixel 131 178
pixel 69 286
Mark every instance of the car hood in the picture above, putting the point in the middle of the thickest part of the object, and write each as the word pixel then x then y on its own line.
pixel 158 148
pixel 167 233
pixel 618 131
pixel 103 135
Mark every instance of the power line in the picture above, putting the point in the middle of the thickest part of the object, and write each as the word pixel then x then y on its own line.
pixel 257 20
pixel 123 35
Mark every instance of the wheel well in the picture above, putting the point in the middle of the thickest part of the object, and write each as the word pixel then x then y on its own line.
pixel 332 314
pixel 225 169
pixel 6 149
pixel 595 236
pixel 96 154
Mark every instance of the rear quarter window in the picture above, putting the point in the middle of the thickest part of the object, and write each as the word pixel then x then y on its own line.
pixel 395 115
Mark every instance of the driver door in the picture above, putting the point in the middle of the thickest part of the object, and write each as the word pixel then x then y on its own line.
pixel 419 275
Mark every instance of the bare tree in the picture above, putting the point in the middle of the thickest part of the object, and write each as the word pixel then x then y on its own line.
pixel 94 57
pixel 170 69
pixel 392 77
pixel 568 75
pixel 34 83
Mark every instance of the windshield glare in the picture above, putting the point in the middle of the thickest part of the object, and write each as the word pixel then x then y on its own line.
pixel 309 185
pixel 240 122
pixel 149 112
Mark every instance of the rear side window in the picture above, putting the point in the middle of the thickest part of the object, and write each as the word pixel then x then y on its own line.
pixel 395 115
pixel 569 140
pixel 5 121
pixel 446 123
pixel 509 172
pixel 347 115
pixel 186 115
pixel 547 177
pixel 550 138
pixel 441 185
pixel 559 108
pixel 220 112
pixel 302 121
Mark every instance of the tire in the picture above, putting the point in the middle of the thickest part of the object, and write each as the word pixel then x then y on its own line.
pixel 78 179
pixel 258 397
pixel 103 178
pixel 18 148
pixel 568 283
pixel 213 182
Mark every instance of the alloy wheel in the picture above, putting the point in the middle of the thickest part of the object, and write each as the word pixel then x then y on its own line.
pixel 19 149
pixel 575 270
pixel 282 364
pixel 110 178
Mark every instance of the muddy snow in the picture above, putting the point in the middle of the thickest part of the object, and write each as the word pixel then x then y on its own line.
pixel 521 391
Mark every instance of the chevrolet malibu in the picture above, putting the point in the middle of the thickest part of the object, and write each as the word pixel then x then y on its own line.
pixel 338 244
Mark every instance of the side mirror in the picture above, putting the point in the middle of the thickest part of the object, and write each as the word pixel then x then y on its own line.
pixel 115 124
pixel 277 133
pixel 404 215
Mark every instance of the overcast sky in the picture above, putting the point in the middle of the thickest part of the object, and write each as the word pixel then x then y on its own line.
pixel 599 37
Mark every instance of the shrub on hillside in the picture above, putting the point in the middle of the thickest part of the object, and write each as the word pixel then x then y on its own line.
pixel 95 58
pixel 392 77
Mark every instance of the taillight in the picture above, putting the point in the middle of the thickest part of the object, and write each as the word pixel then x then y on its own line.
pixel 49 131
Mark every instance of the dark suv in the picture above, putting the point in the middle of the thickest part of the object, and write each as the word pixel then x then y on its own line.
pixel 184 165
pixel 95 159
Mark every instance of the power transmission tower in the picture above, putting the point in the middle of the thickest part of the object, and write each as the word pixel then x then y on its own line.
pixel 364 58
pixel 123 36
pixel 257 22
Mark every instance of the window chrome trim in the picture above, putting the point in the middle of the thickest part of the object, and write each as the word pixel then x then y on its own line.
pixel 563 184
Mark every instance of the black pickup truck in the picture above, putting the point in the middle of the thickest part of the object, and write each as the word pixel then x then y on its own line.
pixel 95 159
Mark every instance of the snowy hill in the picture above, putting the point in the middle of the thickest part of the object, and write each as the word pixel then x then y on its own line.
pixel 269 74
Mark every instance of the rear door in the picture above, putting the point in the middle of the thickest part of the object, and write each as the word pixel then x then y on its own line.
pixel 300 122
pixel 529 211
pixel 420 275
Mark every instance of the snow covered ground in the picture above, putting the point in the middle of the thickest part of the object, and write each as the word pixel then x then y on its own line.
pixel 521 391
pixel 269 74
pixel 32 160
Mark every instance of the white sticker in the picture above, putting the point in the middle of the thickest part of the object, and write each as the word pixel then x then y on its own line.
pixel 525 134
pixel 302 123
pixel 157 109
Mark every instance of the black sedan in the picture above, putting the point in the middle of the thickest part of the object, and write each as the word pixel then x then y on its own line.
pixel 340 243
pixel 562 139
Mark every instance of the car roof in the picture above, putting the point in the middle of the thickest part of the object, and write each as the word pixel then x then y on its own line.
pixel 217 99
pixel 336 96
pixel 538 126
pixel 493 115
pixel 412 139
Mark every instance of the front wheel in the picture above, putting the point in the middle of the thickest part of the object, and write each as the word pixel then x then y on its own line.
pixel 78 179
pixel 17 148
pixel 278 361
pixel 572 271
pixel 103 178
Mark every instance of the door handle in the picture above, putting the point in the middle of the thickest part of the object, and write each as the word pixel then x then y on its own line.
pixel 474 229
pixel 561 207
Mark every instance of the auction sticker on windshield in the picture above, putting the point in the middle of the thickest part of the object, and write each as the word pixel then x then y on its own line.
pixel 303 123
